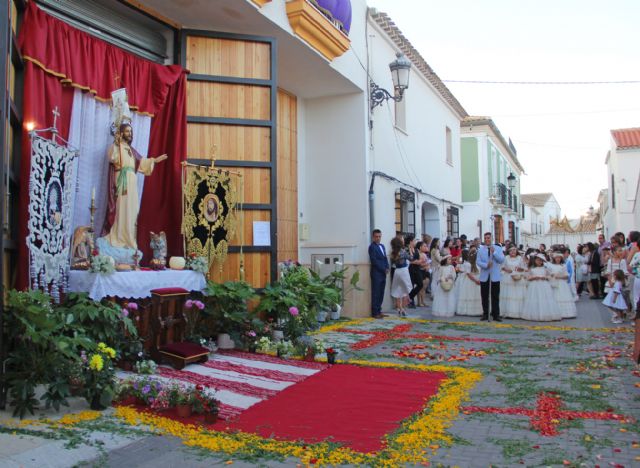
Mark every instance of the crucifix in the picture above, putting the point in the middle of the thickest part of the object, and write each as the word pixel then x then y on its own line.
pixel 56 114
pixel 116 80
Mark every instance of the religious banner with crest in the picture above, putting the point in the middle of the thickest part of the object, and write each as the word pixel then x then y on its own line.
pixel 51 183
pixel 209 220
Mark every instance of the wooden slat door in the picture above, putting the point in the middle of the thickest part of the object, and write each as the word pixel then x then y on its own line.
pixel 231 103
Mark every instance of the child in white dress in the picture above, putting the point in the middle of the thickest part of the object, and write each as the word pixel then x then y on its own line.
pixel 468 285
pixel 614 299
pixel 444 302
pixel 513 285
pixel 539 304
pixel 561 289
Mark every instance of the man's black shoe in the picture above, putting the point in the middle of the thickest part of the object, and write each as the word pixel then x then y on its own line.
pixel 412 305
pixel 484 318
pixel 497 319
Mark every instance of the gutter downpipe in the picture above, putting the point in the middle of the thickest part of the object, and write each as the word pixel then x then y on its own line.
pixel 371 202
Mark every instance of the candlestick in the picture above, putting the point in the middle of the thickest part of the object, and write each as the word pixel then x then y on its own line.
pixel 93 195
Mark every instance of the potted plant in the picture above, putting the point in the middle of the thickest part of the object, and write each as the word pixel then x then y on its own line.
pixel 226 311
pixel 211 411
pixel 312 349
pixel 192 313
pixel 146 367
pixel 284 348
pixel 99 377
pixel 146 390
pixel 335 282
pixel 184 401
pixel 331 355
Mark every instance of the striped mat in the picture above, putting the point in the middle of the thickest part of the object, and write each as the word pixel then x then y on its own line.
pixel 240 380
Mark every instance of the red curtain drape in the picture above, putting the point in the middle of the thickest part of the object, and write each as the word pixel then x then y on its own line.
pixel 58 58
pixel 161 206
pixel 88 63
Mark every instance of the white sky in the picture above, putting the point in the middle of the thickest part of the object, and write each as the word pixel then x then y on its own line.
pixel 561 132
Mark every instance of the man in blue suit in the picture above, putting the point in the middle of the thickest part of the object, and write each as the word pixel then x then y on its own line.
pixel 490 257
pixel 379 272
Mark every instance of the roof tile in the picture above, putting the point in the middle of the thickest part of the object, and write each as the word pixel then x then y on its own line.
pixel 626 138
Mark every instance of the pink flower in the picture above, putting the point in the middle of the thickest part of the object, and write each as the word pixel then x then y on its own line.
pixel 132 306
pixel 125 313
pixel 293 311
pixel 198 304
pixel 251 333
pixel 188 304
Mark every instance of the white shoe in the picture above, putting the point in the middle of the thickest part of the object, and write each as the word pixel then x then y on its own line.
pixel 616 320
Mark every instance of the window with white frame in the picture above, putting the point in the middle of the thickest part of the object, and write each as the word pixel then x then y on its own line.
pixel 405 212
pixel 453 222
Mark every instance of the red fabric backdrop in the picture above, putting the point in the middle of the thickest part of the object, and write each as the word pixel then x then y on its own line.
pixel 58 58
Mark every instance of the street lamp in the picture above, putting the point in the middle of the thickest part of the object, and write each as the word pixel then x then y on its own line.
pixel 400 69
pixel 511 181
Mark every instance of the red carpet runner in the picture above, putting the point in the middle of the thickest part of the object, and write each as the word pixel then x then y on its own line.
pixel 354 405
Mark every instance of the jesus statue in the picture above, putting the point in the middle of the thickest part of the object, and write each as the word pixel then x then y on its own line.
pixel 119 229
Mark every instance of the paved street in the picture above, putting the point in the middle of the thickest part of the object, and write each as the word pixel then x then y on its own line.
pixel 549 396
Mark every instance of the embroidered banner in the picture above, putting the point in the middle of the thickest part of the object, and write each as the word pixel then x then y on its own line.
pixel 51 180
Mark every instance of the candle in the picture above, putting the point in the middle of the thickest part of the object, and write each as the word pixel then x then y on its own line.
pixel 93 194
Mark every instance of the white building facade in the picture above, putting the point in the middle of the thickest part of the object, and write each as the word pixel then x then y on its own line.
pixel 623 175
pixel 490 173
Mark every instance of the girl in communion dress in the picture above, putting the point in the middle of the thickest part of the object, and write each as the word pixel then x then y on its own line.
pixel 539 303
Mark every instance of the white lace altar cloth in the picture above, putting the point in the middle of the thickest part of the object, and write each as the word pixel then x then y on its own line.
pixel 133 284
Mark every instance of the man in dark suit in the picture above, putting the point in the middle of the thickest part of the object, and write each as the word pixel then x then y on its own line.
pixel 379 272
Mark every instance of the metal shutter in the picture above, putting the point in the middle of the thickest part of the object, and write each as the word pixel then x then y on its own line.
pixel 112 22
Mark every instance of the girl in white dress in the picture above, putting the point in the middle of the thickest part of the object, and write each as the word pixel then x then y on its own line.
pixel 436 258
pixel 513 285
pixel 444 302
pixel 539 304
pixel 561 289
pixel 468 284
pixel 614 299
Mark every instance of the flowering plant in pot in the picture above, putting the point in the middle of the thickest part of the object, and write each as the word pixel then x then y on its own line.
pixel 211 409
pixel 146 367
pixel 192 316
pixel 99 377
pixel 312 349
pixel 145 390
pixel 331 354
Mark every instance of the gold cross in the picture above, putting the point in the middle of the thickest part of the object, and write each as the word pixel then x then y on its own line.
pixel 116 80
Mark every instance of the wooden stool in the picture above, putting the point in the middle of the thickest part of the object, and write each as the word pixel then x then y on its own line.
pixel 168 325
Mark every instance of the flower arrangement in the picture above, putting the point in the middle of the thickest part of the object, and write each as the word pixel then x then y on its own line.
pixel 146 367
pixel 99 376
pixel 199 264
pixel 192 315
pixel 102 264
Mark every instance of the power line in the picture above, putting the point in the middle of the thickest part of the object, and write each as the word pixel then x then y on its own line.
pixel 544 82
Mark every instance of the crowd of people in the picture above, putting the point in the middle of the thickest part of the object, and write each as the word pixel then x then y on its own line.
pixel 487 279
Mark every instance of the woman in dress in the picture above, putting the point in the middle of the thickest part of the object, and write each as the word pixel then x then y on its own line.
pixel 401 283
pixel 444 303
pixel 561 290
pixel 512 286
pixel 436 258
pixel 582 270
pixel 414 268
pixel 468 284
pixel 539 304
pixel 424 273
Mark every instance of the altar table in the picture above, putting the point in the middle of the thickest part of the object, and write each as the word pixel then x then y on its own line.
pixel 133 284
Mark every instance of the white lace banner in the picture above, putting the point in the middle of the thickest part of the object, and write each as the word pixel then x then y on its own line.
pixel 51 184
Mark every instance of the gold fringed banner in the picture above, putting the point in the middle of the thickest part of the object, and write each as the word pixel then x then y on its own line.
pixel 209 221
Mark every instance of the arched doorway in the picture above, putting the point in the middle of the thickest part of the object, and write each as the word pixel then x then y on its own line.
pixel 430 219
